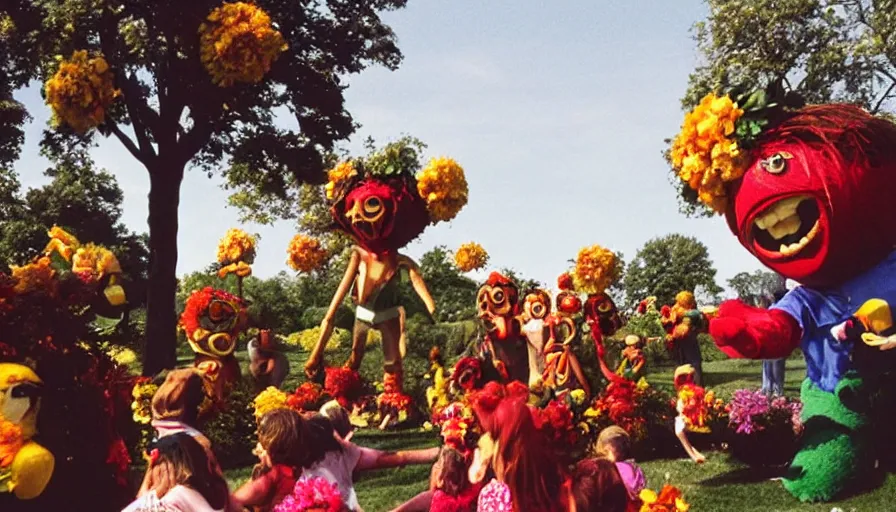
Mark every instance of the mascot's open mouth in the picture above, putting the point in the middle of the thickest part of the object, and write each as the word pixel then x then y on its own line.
pixel 787 226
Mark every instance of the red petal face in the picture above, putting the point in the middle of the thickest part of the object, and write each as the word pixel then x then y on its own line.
pixel 815 204
pixel 381 215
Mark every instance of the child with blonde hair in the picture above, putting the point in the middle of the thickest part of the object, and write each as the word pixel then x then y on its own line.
pixel 614 444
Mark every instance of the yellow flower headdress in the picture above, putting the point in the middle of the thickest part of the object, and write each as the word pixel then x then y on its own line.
pixel 596 269
pixel 80 91
pixel 710 151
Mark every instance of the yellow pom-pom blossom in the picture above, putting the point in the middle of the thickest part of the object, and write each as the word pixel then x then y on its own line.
pixel 269 400
pixel 337 176
pixel 596 269
pixel 470 256
pixel 236 246
pixel 94 259
pixel 305 254
pixel 443 186
pixel 81 91
pixel 704 155
pixel 238 44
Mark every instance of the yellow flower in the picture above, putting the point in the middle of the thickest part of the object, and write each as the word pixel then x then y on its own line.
pixel 307 339
pixel 648 496
pixel 337 176
pixel 238 44
pixel 269 400
pixel 61 242
pixel 470 256
pixel 142 403
pixel 305 254
pixel 596 269
pixel 642 384
pixel 443 186
pixel 704 155
pixel 236 246
pixel 34 276
pixel 578 396
pixel 122 355
pixel 81 91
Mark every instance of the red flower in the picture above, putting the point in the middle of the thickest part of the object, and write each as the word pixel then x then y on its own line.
pixel 305 397
pixel 198 304
pixel 564 282
pixel 343 384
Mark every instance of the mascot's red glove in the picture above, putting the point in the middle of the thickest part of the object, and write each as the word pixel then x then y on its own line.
pixel 742 331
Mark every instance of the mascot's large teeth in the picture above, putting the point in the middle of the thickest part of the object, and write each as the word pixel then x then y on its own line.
pixel 790 250
pixel 781 219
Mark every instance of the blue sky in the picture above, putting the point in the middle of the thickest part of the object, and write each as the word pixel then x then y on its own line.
pixel 556 110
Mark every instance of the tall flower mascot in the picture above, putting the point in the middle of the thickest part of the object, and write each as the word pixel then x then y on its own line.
pixel 384 202
pixel 806 189
pixel 503 345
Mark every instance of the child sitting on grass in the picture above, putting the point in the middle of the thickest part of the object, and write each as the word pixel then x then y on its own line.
pixel 281 433
pixel 614 444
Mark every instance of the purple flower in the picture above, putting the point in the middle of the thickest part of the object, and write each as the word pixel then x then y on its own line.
pixel 752 411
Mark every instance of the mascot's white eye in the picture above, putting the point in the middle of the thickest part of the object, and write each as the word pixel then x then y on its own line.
pixel 15 407
pixel 777 163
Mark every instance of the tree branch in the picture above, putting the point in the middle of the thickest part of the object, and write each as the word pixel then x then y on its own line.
pixel 193 141
pixel 883 98
pixel 128 143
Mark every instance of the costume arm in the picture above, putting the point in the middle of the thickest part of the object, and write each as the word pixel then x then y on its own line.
pixel 418 503
pixel 419 284
pixel 326 326
pixel 254 492
pixel 743 331
pixel 375 459
pixel 580 376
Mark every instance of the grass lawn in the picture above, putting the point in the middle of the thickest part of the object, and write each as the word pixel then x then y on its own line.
pixel 721 484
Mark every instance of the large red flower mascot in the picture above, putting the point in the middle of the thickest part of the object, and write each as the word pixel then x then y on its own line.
pixel 384 202
pixel 809 191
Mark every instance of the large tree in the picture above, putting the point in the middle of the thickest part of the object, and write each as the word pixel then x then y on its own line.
pixel 827 50
pixel 198 83
pixel 667 265
pixel 753 287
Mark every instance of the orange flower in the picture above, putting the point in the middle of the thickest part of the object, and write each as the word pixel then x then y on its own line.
pixel 443 185
pixel 238 44
pixel 704 155
pixel 337 176
pixel 81 91
pixel 34 276
pixel 470 256
pixel 11 442
pixel 305 254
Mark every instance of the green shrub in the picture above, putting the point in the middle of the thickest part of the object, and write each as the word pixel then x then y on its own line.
pixel 232 431
pixel 312 317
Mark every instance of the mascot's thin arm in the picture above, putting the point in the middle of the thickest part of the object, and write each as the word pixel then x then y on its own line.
pixel 326 326
pixel 580 376
pixel 420 285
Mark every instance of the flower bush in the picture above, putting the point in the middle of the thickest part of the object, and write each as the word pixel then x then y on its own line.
pixel 268 400
pixel 470 256
pixel 307 397
pixel 305 254
pixel 753 411
pixel 763 431
pixel 238 43
pixel 343 384
pixel 443 186
pixel 81 91
pixel 307 339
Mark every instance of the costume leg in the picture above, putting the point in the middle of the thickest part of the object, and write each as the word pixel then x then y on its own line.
pixel 835 452
pixel 766 377
pixel 690 348
pixel 391 331
pixel 778 367
pixel 359 343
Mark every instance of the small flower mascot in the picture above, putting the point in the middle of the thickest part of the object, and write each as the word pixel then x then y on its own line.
pixel 212 320
pixel 562 370
pixel 25 466
pixel 692 409
pixel 804 189
pixel 384 202
pixel 683 322
pixel 536 312
pixel 632 363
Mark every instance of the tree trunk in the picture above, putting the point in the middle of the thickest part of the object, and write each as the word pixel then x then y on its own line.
pixel 161 317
